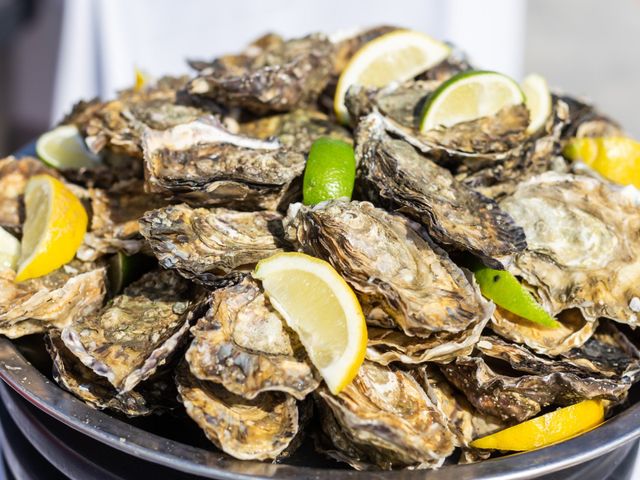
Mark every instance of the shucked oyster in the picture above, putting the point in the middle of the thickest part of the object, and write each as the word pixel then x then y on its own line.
pixel 242 343
pixel 211 246
pixel 393 172
pixel 136 332
pixel 583 245
pixel 54 300
pixel 202 163
pixel 400 277
pixel 384 419
pixel 271 75
pixel 258 429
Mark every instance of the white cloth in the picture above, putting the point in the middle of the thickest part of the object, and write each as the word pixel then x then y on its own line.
pixel 104 40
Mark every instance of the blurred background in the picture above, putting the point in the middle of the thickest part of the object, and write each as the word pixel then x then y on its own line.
pixel 54 52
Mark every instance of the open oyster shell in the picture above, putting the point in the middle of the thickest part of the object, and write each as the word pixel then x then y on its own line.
pixel 259 429
pixel 243 344
pixel 401 278
pixel 272 75
pixel 391 171
pixel 211 246
pixel 204 164
pixel 586 121
pixel 583 245
pixel 54 300
pixel 136 332
pixel 384 419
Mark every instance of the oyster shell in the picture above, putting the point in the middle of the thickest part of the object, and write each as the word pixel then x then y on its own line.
pixel 583 245
pixel 384 419
pixel 258 429
pixel 155 395
pixel 211 246
pixel 243 344
pixel 202 163
pixel 272 75
pixel 586 121
pixel 54 300
pixel 136 332
pixel 393 172
pixel 400 277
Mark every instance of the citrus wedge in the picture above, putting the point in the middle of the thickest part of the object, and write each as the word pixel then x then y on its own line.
pixel 547 429
pixel 54 227
pixel 468 96
pixel 63 148
pixel 537 100
pixel 396 56
pixel 9 250
pixel 321 308
pixel 330 171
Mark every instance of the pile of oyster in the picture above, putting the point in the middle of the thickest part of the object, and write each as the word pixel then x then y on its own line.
pixel 203 174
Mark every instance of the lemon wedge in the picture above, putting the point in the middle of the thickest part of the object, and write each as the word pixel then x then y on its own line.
pixel 321 308
pixel 396 56
pixel 64 148
pixel 54 227
pixel 538 101
pixel 9 250
pixel 547 429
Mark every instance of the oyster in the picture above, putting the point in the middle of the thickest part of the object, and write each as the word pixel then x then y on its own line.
pixel 384 419
pixel 54 300
pixel 272 75
pixel 259 429
pixel 400 277
pixel 586 121
pixel 202 163
pixel 211 246
pixel 243 344
pixel 583 245
pixel 136 332
pixel 155 395
pixel 393 172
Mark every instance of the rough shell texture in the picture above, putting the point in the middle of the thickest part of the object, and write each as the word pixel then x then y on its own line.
pixel 54 300
pixel 384 419
pixel 202 163
pixel 272 75
pixel 211 246
pixel 392 172
pixel 400 277
pixel 136 332
pixel 258 429
pixel 243 344
pixel 583 245
pixel 586 121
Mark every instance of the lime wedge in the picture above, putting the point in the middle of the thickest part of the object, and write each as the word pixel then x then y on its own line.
pixel 505 290
pixel 63 148
pixel 330 171
pixel 124 269
pixel 9 250
pixel 538 101
pixel 468 96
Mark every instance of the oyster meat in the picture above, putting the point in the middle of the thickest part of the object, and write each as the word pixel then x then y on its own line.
pixel 384 419
pixel 211 246
pixel 391 171
pixel 272 75
pixel 137 331
pixel 583 249
pixel 259 429
pixel 401 278
pixel 202 163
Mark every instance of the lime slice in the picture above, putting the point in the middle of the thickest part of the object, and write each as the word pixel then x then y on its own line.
pixel 538 101
pixel 468 96
pixel 9 250
pixel 396 56
pixel 505 290
pixel 124 269
pixel 63 148
pixel 330 171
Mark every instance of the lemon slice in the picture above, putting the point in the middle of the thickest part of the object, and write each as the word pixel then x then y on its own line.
pixel 53 230
pixel 9 250
pixel 393 57
pixel 468 96
pixel 321 308
pixel 547 429
pixel 538 101
pixel 64 148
